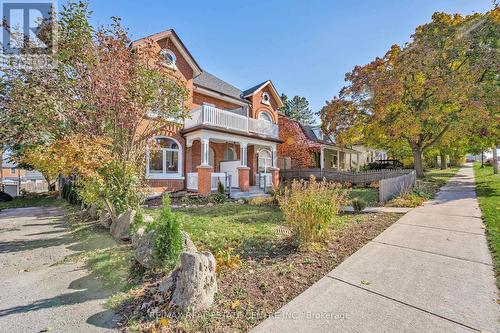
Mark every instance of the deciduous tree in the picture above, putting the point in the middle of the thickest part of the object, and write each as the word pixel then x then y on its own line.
pixel 417 92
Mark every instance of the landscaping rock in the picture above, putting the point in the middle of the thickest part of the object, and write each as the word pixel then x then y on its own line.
pixel 196 283
pixel 187 243
pixel 120 229
pixel 144 250
pixel 143 244
pixel 92 211
pixel 136 238
pixel 168 283
pixel 105 219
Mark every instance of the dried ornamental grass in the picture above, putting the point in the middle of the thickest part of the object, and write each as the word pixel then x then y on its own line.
pixel 311 209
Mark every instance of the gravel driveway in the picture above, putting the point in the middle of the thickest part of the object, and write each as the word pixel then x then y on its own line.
pixel 38 291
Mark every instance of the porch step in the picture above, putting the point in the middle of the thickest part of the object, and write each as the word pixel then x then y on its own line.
pixel 253 192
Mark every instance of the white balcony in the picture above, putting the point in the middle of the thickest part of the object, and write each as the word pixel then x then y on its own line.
pixel 212 116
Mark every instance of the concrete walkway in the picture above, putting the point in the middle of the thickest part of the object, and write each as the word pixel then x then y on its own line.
pixel 431 271
pixel 39 291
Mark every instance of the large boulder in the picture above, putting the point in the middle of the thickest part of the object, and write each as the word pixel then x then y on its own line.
pixel 144 250
pixel 187 243
pixel 105 219
pixel 137 236
pixel 120 228
pixel 142 242
pixel 195 282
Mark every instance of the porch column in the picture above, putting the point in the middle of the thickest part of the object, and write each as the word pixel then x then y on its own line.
pixel 243 153
pixel 338 159
pixel 205 148
pixel 357 161
pixel 204 170
pixel 274 156
pixel 322 158
pixel 243 170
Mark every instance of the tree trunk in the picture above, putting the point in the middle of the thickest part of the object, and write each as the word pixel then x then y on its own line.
pixel 482 159
pixel 442 157
pixel 417 161
pixel 495 160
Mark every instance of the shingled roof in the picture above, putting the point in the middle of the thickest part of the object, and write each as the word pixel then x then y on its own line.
pixel 311 135
pixel 212 82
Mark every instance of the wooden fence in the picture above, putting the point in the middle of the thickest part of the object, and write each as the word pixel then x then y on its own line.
pixel 391 187
pixel 362 177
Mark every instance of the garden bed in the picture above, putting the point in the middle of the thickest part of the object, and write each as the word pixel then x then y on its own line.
pixel 260 269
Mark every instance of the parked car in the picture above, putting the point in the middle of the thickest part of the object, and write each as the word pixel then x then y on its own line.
pixel 385 164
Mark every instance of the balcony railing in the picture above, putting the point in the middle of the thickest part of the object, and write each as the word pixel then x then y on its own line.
pixel 212 116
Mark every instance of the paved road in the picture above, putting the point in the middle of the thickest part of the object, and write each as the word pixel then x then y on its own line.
pixel 37 292
pixel 429 272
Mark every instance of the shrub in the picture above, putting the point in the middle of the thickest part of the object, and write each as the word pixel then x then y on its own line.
pixel 261 201
pixel 409 199
pixel 226 259
pixel 117 187
pixel 220 188
pixel 311 208
pixel 167 244
pixel 358 204
pixel 217 198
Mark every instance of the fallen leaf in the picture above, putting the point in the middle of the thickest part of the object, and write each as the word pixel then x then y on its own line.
pixel 365 282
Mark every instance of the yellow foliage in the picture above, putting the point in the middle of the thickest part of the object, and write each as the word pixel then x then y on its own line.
pixel 78 154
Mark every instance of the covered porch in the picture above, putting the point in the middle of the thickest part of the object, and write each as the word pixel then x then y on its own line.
pixel 238 162
pixel 338 159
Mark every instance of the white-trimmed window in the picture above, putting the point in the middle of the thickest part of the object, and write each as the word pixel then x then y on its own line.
pixel 230 154
pixel 266 99
pixel 169 58
pixel 164 158
pixel 265 116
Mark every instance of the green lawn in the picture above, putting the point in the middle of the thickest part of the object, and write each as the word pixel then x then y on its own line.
pixel 369 195
pixel 248 229
pixel 435 178
pixel 488 192
pixel 20 202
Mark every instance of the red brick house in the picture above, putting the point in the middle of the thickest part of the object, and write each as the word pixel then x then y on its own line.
pixel 231 132
pixel 306 146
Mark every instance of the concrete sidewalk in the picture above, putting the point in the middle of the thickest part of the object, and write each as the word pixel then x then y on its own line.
pixel 431 271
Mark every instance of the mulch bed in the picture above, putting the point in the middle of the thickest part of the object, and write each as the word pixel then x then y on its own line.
pixel 250 293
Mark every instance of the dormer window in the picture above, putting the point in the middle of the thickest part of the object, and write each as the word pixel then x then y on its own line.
pixel 169 58
pixel 265 98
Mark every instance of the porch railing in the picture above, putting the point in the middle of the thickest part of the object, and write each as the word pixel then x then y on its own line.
pixel 212 116
pixel 192 180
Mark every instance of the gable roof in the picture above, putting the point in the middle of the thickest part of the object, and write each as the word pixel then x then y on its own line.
pixel 254 89
pixel 311 134
pixel 212 82
pixel 178 44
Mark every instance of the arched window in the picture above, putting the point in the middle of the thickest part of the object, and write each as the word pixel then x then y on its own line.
pixel 169 58
pixel 265 160
pixel 230 154
pixel 263 115
pixel 164 158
